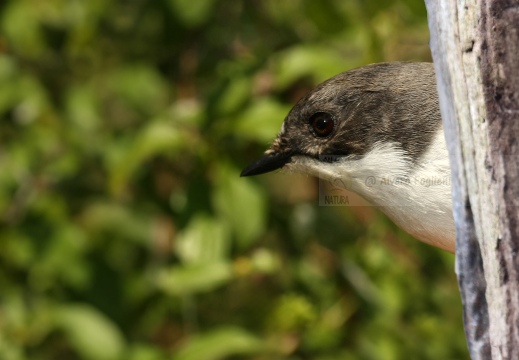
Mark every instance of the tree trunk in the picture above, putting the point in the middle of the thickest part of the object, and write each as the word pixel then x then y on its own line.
pixel 475 47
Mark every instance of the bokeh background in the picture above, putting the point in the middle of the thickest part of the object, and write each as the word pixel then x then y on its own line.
pixel 125 229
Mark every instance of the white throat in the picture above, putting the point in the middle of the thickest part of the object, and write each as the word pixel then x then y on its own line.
pixel 417 197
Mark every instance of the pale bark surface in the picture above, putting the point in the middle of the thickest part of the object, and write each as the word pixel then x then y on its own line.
pixel 475 47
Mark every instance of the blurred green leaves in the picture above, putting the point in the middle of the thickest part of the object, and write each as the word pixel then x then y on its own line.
pixel 192 13
pixel 315 61
pixel 293 312
pixel 221 344
pixel 140 86
pixel 157 137
pixel 261 121
pixel 20 23
pixel 233 196
pixel 195 278
pixel 94 336
pixel 125 229
pixel 203 248
pixel 204 240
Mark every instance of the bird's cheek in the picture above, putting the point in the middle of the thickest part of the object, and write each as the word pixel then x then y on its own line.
pixel 314 150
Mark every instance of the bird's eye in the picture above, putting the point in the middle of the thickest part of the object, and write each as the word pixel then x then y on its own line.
pixel 321 124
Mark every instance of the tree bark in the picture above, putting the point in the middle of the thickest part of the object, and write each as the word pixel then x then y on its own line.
pixel 475 47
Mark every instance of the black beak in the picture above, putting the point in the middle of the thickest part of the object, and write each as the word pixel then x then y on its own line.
pixel 268 162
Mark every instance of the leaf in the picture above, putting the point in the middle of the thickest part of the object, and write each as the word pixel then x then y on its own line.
pixel 293 312
pixel 126 156
pixel 20 24
pixel 140 85
pixel 182 280
pixel 91 333
pixel 317 62
pixel 82 108
pixel 262 121
pixel 145 352
pixel 241 204
pixel 192 13
pixel 234 95
pixel 220 344
pixel 111 217
pixel 204 240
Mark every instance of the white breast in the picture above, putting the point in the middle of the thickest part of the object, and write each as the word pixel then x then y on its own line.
pixel 416 197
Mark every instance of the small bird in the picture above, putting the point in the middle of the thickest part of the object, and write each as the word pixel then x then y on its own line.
pixel 378 130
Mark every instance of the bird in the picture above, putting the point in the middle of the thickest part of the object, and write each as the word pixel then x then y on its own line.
pixel 377 131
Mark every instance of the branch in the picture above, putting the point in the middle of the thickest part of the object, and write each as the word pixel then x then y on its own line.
pixel 475 48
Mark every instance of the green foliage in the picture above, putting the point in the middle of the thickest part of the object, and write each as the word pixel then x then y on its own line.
pixel 89 332
pixel 220 344
pixel 125 229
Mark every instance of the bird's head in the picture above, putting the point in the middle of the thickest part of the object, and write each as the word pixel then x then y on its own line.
pixel 347 115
